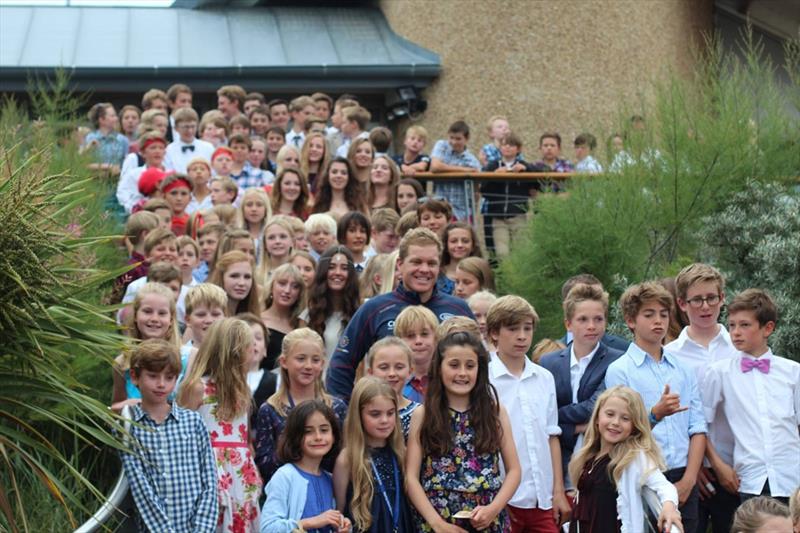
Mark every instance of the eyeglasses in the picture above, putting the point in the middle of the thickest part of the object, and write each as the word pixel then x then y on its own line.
pixel 698 301
pixel 186 126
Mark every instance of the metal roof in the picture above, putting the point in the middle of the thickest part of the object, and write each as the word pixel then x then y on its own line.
pixel 264 48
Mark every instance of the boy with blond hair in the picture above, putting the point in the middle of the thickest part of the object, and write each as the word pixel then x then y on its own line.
pixel 496 127
pixel 301 109
pixel 413 160
pixel 188 259
pixel 222 190
pixel 528 393
pixel 416 326
pixel 208 238
pixel 580 368
pixel 320 233
pixel 354 125
pixel 172 472
pixel 701 295
pixel 230 100
pixel 668 389
pixel 205 304
pixel 759 393
pixel 383 239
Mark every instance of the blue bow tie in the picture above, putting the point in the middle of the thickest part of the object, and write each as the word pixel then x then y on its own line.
pixel 187 148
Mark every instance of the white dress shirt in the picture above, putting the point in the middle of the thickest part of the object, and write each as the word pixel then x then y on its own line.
pixel 177 158
pixel 301 138
pixel 531 404
pixel 697 357
pixel 764 413
pixel 577 368
pixel 128 187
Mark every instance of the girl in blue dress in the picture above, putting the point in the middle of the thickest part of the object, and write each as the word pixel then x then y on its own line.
pixel 368 476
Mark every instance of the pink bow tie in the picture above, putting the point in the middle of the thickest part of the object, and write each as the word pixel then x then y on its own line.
pixel 761 364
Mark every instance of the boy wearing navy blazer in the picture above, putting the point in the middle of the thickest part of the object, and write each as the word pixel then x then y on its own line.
pixel 580 368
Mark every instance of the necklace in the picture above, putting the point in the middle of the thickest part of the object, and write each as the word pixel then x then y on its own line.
pixel 596 462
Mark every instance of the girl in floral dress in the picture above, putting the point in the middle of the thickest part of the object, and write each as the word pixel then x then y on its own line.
pixel 217 388
pixel 457 439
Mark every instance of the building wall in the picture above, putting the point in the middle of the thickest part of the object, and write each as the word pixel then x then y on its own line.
pixel 564 65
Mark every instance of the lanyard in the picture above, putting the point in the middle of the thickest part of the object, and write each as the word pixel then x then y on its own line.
pixel 394 512
pixel 291 400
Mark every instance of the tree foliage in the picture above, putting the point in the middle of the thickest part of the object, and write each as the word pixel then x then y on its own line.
pixel 704 138
pixel 57 340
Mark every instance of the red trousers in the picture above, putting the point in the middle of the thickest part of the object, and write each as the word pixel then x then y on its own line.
pixel 532 520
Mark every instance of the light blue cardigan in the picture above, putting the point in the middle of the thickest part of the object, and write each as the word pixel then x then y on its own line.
pixel 286 498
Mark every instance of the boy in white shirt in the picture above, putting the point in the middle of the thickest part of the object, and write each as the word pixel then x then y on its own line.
pixel 700 294
pixel 301 109
pixel 759 393
pixel 528 392
pixel 187 146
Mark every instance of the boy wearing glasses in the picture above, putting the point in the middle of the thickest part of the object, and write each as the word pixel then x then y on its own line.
pixel 187 146
pixel 701 294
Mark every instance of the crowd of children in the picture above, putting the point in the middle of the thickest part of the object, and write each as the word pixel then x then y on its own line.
pixel 316 343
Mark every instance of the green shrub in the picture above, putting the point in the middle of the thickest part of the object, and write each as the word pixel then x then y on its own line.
pixel 705 137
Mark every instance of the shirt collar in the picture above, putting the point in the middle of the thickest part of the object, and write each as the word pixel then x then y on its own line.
pixel 767 355
pixel 497 368
pixel 138 414
pixel 573 360
pixel 639 356
pixel 721 336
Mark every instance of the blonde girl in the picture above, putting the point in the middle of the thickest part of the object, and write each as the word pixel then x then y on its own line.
pixel 620 454
pixel 306 264
pixel 378 277
pixel 276 247
pixel 234 272
pixel 153 317
pixel 314 157
pixel 216 387
pixel 290 194
pixel 390 359
pixel 253 213
pixel 462 418
pixel 300 494
pixel 288 157
pixel 368 477
pixel 301 362
pixel 383 179
pixel 285 295
pixel 479 304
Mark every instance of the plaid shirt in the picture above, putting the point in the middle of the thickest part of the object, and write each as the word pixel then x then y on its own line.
pixel 249 177
pixel 173 477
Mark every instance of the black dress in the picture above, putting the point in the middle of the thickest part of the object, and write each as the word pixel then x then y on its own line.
pixel 274 347
pixel 596 510
pixel 381 516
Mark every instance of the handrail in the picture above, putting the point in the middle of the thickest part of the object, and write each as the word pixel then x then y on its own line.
pixel 501 176
pixel 115 497
pixel 652 507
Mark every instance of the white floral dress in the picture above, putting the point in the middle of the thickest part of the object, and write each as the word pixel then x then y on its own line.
pixel 238 481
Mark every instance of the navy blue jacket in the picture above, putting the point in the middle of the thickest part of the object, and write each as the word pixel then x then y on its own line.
pixel 373 321
pixel 612 341
pixel 592 384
